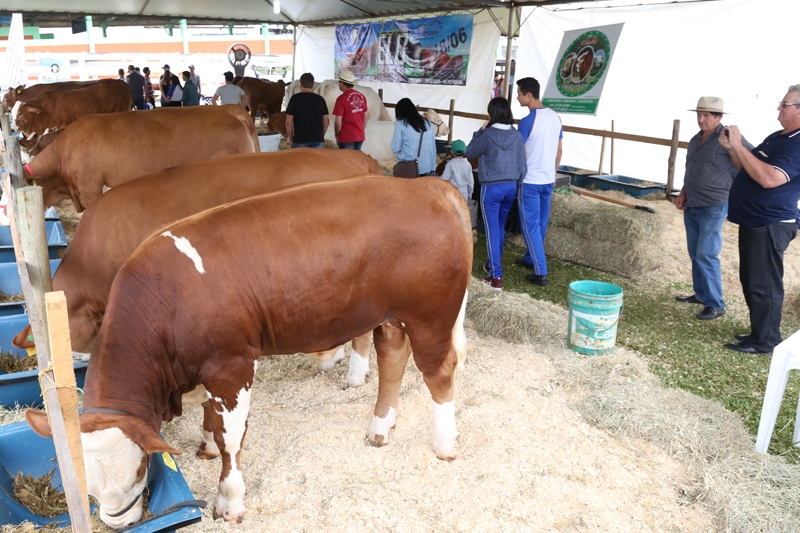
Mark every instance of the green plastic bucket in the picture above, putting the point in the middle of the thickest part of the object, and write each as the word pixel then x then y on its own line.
pixel 593 316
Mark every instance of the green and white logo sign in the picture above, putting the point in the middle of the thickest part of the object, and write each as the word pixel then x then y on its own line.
pixel 581 66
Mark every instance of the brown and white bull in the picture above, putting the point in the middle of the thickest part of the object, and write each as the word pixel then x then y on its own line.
pixel 35 143
pixel 300 270
pixel 102 151
pixel 22 94
pixel 58 109
pixel 118 222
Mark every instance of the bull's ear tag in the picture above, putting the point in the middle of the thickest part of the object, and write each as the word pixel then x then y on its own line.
pixel 169 461
pixel 31 350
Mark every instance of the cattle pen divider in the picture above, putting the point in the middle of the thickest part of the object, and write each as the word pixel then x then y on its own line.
pixel 674 143
pixel 47 313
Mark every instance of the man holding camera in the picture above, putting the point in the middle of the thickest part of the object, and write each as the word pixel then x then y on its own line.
pixel 704 201
pixel 763 201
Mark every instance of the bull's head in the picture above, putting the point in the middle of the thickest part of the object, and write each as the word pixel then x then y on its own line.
pixel 116 455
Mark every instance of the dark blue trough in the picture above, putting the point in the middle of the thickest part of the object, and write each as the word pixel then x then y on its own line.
pixel 56 240
pixel 22 450
pixel 615 182
pixel 51 214
pixel 22 388
pixel 10 285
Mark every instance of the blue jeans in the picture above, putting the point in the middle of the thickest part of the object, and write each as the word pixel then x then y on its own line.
pixel 496 202
pixel 308 145
pixel 351 146
pixel 704 239
pixel 534 214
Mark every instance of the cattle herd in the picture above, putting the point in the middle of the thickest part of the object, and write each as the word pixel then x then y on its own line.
pixel 196 255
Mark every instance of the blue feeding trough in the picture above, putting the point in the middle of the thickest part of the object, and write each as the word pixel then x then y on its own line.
pixel 51 214
pixel 171 503
pixel 22 388
pixel 10 285
pixel 56 240
pixel 614 182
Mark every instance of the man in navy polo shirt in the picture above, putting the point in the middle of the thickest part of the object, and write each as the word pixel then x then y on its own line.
pixel 763 201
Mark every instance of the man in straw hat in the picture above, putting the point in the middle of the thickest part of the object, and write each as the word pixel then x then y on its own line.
pixel 350 111
pixel 704 201
pixel 763 201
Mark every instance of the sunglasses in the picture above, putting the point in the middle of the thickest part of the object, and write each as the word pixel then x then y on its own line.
pixel 784 105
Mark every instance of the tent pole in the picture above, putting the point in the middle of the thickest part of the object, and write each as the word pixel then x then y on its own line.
pixel 294 47
pixel 509 37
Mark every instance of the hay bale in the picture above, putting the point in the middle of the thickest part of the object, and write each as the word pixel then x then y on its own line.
pixel 513 317
pixel 604 236
pixel 631 261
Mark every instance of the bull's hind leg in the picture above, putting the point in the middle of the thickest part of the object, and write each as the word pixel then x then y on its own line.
pixel 359 361
pixel 393 349
pixel 437 361
pixel 208 448
pixel 229 403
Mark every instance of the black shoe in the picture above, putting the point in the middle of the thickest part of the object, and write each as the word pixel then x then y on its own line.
pixel 744 347
pixel 742 336
pixel 710 313
pixel 688 299
pixel 537 280
pixel 522 263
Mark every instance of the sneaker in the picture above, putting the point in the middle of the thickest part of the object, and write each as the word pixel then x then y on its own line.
pixel 487 268
pixel 521 262
pixel 495 283
pixel 537 280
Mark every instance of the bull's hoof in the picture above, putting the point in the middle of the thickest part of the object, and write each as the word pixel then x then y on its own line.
pixel 377 441
pixel 230 520
pixel 448 459
pixel 205 455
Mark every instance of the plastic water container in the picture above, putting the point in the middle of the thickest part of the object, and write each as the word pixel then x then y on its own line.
pixel 594 308
pixel 269 142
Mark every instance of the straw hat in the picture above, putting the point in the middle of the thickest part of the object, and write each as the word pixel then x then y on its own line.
pixel 347 77
pixel 709 104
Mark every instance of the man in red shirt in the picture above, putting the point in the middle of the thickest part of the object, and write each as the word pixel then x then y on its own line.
pixel 350 111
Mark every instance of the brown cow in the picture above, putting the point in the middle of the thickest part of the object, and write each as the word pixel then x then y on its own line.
pixel 298 270
pixel 36 143
pixel 121 219
pixel 277 123
pixel 102 151
pixel 263 95
pixel 58 109
pixel 24 94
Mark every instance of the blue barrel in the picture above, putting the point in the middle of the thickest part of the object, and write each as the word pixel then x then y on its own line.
pixel 593 316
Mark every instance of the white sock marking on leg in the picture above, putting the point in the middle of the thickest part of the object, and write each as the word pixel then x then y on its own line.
pixel 381 426
pixel 358 369
pixel 444 429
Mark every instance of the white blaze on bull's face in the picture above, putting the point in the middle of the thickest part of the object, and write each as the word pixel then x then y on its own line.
pixel 116 474
pixel 183 244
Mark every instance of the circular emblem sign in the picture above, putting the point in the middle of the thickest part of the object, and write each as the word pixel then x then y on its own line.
pixel 583 64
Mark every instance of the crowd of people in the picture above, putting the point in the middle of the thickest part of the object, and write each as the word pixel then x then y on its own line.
pixel 757 188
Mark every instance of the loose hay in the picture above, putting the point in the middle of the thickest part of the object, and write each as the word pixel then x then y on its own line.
pixel 39 495
pixel 512 317
pixel 10 363
pixel 745 491
pixel 6 298
pixel 603 236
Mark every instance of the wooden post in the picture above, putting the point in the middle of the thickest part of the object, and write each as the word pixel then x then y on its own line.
pixel 673 152
pixel 13 160
pixel 30 218
pixel 612 150
pixel 450 120
pixel 64 375
pixel 602 155
pixel 78 517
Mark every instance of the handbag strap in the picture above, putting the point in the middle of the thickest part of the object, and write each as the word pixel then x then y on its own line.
pixel 419 150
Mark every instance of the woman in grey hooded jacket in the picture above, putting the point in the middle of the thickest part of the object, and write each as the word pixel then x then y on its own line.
pixel 500 150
